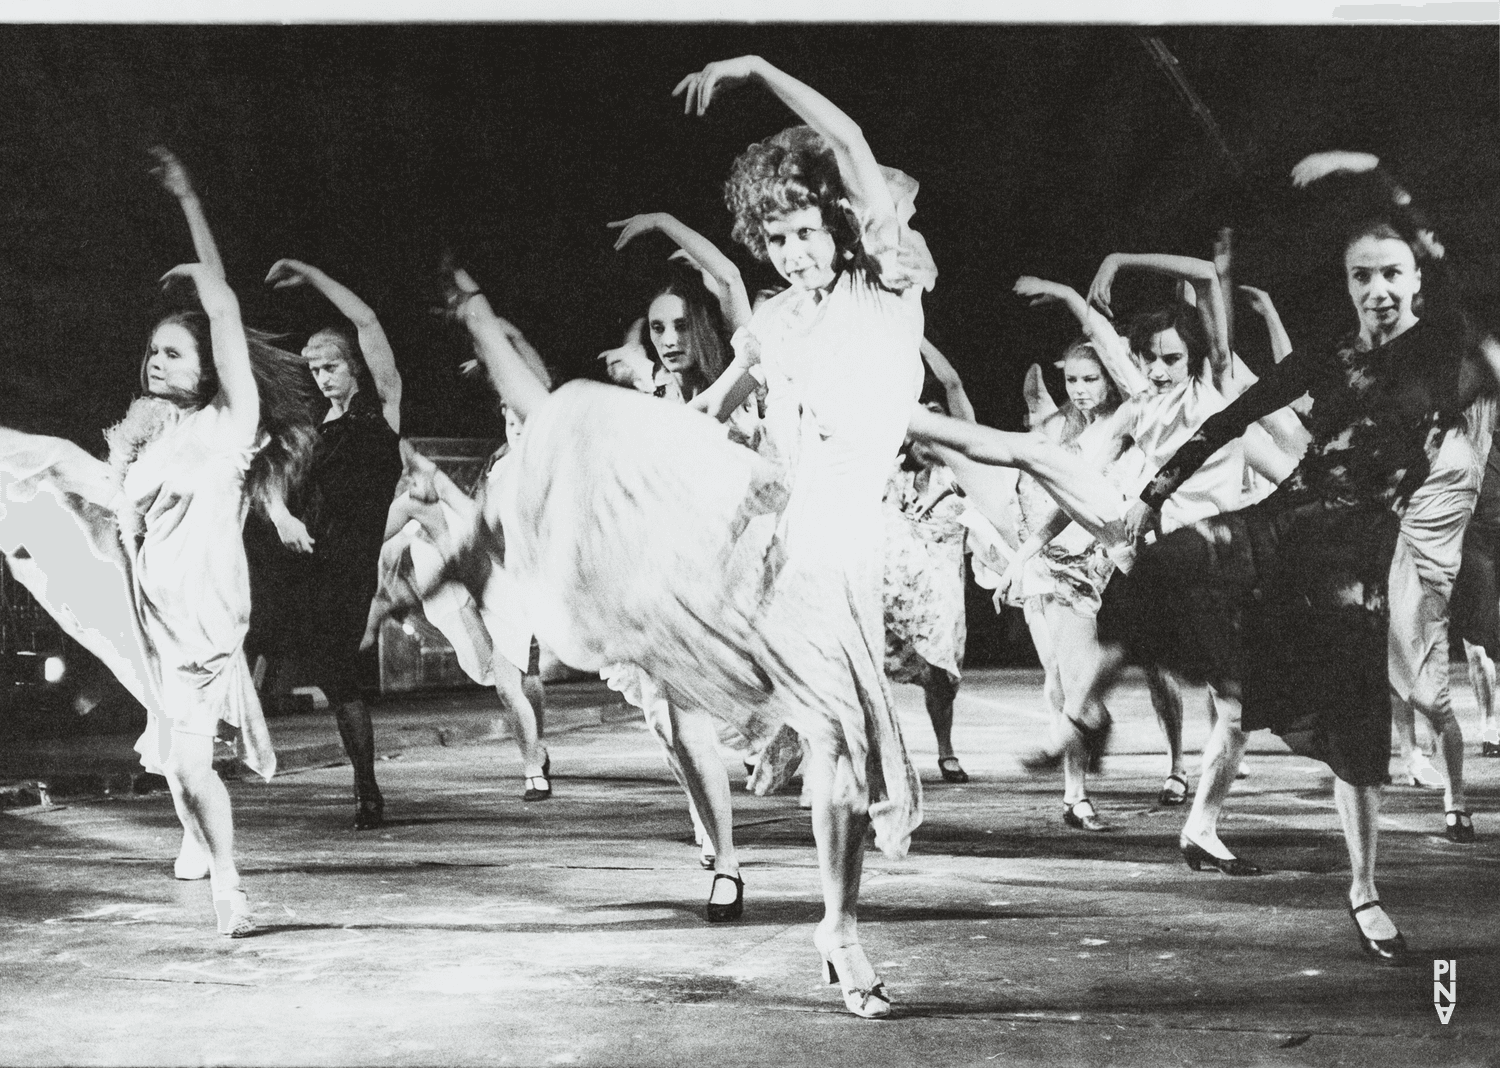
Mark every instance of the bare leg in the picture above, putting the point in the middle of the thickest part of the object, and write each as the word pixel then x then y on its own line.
pixel 840 824
pixel 1221 761
pixel 1166 701
pixel 696 745
pixel 519 715
pixel 202 804
pixel 939 691
pixel 1482 678
pixel 1359 812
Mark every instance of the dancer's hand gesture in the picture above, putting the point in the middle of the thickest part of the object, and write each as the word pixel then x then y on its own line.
pixel 644 223
pixel 1141 518
pixel 171 173
pixel 1040 291
pixel 1104 280
pixel 213 292
pixel 285 274
pixel 293 532
pixel 1260 300
pixel 697 90
pixel 1322 164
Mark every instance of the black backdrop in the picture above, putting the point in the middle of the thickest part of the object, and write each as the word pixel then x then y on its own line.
pixel 368 150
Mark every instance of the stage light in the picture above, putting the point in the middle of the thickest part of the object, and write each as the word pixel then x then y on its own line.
pixel 53 669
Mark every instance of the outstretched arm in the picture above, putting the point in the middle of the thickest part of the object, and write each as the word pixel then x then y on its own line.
pixel 373 344
pixel 237 391
pixel 1202 275
pixel 863 180
pixel 959 405
pixel 1260 303
pixel 509 359
pixel 718 269
pixel 1113 350
pixel 174 178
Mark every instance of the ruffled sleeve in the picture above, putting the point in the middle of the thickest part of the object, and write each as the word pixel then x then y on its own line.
pixel 899 254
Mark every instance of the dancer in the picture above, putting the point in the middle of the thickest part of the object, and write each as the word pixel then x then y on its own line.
pixel 1474 611
pixel 141 558
pixel 1308 651
pixel 355 470
pixel 802 642
pixel 925 628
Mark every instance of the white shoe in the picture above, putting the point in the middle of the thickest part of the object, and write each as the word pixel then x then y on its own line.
pixel 1420 772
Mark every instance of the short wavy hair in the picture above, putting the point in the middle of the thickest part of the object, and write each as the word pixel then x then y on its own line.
pixel 1183 318
pixel 792 170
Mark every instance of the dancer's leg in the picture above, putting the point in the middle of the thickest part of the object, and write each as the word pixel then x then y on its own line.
pixel 939 690
pixel 1166 701
pixel 202 803
pixel 1482 679
pixel 1221 761
pixel 519 714
pixel 696 745
pixel 358 735
pixel 1359 812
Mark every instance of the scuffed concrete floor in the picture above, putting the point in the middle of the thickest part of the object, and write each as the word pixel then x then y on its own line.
pixel 478 930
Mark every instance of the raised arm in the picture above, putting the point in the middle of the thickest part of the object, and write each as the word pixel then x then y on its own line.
pixel 1260 303
pixel 374 346
pixel 959 405
pixel 1202 275
pixel 237 391
pixel 718 269
pixel 865 184
pixel 174 178
pixel 1113 350
pixel 508 358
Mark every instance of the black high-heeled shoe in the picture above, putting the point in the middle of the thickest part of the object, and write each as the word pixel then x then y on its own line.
pixel 369 813
pixel 1458 826
pixel 1197 857
pixel 724 913
pixel 1388 951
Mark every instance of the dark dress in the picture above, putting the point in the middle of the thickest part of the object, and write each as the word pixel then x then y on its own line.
pixel 315 607
pixel 1474 610
pixel 1284 604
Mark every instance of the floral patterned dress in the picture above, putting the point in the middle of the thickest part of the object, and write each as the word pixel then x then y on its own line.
pixel 924 576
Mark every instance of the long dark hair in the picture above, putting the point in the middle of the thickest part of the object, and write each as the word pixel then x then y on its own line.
pixel 706 342
pixel 286 404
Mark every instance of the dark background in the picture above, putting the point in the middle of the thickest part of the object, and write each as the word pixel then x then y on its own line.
pixel 369 150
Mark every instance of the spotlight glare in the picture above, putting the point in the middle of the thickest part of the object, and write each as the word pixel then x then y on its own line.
pixel 53 669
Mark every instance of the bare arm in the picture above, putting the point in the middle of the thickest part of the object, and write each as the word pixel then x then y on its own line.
pixel 237 391
pixel 507 356
pixel 373 344
pixel 1113 349
pixel 861 174
pixel 1202 275
pixel 959 405
pixel 727 285
pixel 1260 303
pixel 174 178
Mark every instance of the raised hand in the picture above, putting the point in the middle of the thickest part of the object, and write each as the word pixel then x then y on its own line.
pixel 697 90
pixel 636 225
pixel 171 173
pixel 285 274
pixel 1039 290
pixel 1260 300
pixel 1104 280
pixel 213 292
pixel 1322 164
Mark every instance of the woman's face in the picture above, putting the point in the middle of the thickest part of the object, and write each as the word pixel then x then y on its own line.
pixel 1383 279
pixel 1165 361
pixel 666 324
pixel 513 426
pixel 801 248
pixel 1086 384
pixel 330 370
pixel 173 367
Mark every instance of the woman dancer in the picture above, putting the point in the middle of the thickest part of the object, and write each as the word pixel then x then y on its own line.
pixel 355 470
pixel 1474 612
pixel 224 416
pixel 688 337
pixel 1308 651
pixel 802 643
pixel 925 628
